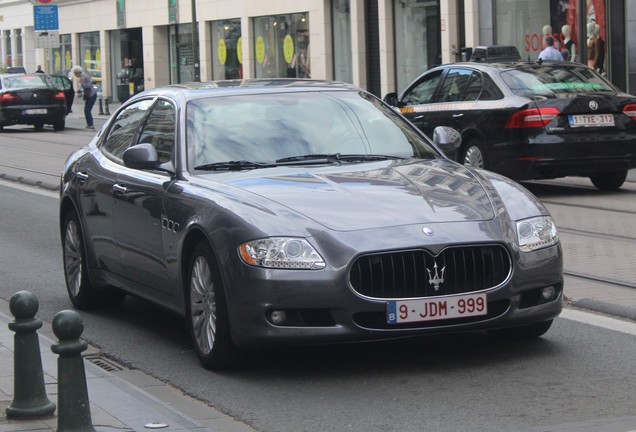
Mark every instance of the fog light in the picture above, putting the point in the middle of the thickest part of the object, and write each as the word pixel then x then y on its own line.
pixel 548 293
pixel 277 317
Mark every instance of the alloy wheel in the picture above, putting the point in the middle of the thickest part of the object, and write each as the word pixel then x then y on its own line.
pixel 203 311
pixel 474 157
pixel 73 260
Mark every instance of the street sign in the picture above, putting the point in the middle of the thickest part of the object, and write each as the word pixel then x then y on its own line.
pixel 47 39
pixel 45 18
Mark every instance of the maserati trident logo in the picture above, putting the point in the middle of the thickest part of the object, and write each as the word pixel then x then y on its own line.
pixel 593 105
pixel 436 278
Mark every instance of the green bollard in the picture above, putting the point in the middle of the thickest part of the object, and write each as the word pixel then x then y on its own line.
pixel 74 413
pixel 30 400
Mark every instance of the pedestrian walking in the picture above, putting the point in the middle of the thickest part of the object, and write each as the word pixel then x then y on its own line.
pixel 88 91
pixel 550 52
pixel 39 69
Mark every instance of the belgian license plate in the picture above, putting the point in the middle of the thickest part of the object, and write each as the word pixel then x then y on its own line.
pixel 35 111
pixel 429 309
pixel 591 120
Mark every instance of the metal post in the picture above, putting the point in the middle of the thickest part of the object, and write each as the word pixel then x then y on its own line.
pixel 74 414
pixel 30 400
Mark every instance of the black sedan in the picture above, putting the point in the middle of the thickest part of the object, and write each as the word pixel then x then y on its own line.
pixel 529 120
pixel 66 85
pixel 296 212
pixel 31 99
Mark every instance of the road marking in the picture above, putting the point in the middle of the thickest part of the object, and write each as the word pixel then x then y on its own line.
pixel 604 321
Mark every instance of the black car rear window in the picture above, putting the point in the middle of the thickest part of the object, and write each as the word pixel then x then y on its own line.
pixel 549 80
pixel 24 81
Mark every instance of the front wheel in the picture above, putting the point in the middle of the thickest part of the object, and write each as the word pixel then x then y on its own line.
pixel 609 181
pixel 531 331
pixel 206 310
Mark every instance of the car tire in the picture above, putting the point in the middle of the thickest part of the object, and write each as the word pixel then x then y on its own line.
pixel 38 126
pixel 474 155
pixel 59 125
pixel 531 331
pixel 609 181
pixel 206 310
pixel 80 291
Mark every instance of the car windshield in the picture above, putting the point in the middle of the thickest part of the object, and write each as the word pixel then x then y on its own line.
pixel 24 81
pixel 297 127
pixel 551 80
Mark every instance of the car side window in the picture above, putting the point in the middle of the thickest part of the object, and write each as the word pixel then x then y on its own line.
pixel 454 86
pixel 424 91
pixel 490 90
pixel 159 130
pixel 122 132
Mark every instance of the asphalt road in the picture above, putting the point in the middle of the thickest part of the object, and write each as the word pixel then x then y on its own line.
pixel 579 377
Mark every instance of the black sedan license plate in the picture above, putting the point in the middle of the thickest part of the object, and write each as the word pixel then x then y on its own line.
pixel 467 305
pixel 591 120
pixel 34 111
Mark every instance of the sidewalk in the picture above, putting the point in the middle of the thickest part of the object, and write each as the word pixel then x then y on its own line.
pixel 120 399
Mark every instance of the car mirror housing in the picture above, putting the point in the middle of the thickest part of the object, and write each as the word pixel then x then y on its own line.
pixel 141 156
pixel 447 139
pixel 391 99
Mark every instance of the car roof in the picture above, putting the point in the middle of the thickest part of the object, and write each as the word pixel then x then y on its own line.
pixel 504 65
pixel 246 86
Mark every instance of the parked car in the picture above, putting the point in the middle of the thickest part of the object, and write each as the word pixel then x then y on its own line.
pixel 16 70
pixel 66 85
pixel 528 120
pixel 293 212
pixel 31 99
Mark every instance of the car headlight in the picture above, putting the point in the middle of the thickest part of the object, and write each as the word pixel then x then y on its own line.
pixel 281 253
pixel 536 233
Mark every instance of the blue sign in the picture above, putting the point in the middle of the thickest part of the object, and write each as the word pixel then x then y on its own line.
pixel 45 18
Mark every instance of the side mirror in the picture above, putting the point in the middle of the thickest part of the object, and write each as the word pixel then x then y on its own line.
pixel 447 139
pixel 391 99
pixel 141 156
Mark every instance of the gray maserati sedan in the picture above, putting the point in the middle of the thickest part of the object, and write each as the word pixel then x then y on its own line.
pixel 283 211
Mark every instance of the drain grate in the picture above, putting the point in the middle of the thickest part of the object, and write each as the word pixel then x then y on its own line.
pixel 107 365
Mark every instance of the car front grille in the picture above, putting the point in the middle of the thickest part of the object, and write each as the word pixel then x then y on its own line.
pixel 418 273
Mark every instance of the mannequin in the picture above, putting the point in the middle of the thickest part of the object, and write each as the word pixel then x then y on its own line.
pixel 568 42
pixel 592 45
pixel 600 58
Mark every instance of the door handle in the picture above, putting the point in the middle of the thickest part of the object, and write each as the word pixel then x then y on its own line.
pixel 81 176
pixel 458 115
pixel 119 189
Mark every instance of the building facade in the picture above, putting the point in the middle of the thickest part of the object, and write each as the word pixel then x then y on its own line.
pixel 380 45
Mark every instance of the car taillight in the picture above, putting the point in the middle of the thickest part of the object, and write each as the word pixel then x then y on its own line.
pixel 9 97
pixel 532 118
pixel 59 96
pixel 630 111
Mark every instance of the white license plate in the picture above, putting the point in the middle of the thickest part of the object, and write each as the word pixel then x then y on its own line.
pixel 441 308
pixel 35 111
pixel 591 120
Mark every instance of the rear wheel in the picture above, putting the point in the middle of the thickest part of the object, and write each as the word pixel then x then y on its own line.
pixel 59 125
pixel 474 154
pixel 531 331
pixel 206 310
pixel 609 181
pixel 82 294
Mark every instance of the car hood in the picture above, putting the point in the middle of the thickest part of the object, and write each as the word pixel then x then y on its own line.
pixel 375 195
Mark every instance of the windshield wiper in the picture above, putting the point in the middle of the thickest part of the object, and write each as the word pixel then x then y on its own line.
pixel 233 166
pixel 337 157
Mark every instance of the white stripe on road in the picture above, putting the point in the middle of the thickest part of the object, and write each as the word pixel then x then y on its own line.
pixel 598 320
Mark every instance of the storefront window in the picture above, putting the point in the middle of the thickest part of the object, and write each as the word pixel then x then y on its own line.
pixel 6 37
pixel 61 57
pixel 181 54
pixel 281 46
pixel 227 61
pixel 127 60
pixel 417 38
pixel 524 23
pixel 341 13
pixel 90 55
pixel 17 57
